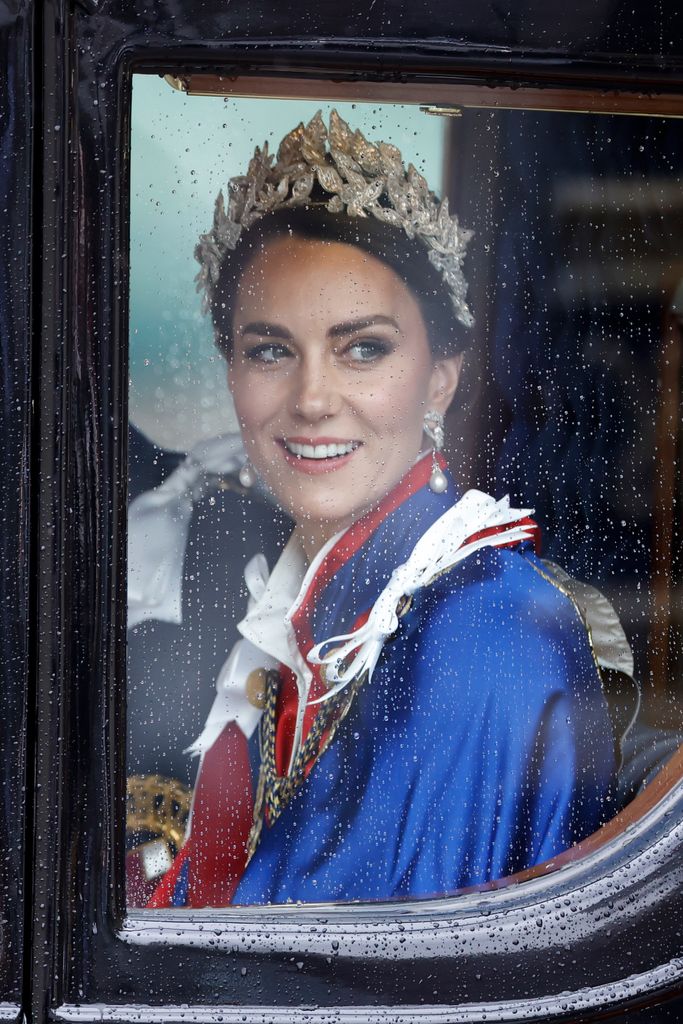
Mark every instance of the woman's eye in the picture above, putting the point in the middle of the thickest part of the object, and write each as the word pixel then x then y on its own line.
pixel 267 352
pixel 367 350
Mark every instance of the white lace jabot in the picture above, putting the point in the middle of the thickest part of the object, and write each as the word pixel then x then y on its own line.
pixel 268 640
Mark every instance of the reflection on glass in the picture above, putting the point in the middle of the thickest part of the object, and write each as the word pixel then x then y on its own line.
pixel 386 682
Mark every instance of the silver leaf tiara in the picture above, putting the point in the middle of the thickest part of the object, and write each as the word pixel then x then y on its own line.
pixel 356 174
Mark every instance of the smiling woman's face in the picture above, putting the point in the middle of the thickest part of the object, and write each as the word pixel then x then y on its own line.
pixel 331 374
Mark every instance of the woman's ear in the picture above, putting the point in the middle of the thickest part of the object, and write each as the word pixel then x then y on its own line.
pixel 444 382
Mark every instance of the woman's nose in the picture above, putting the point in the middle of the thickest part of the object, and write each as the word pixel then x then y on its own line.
pixel 315 394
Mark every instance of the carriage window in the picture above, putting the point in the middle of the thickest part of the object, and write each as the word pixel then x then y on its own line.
pixel 404 556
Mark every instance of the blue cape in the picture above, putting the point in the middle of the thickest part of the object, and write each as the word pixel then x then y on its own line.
pixel 482 745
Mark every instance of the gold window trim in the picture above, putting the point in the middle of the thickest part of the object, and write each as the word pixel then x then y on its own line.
pixel 439 98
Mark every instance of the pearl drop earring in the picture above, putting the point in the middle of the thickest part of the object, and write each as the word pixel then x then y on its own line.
pixel 434 429
pixel 247 475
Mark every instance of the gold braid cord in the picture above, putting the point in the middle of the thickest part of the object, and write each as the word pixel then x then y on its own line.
pixel 274 791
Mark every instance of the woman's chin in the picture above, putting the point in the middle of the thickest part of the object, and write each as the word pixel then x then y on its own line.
pixel 328 514
pixel 335 492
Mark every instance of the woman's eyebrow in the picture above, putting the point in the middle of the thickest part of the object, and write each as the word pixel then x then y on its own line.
pixel 349 326
pixel 264 328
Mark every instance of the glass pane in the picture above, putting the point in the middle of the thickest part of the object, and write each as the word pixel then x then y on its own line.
pixel 403 555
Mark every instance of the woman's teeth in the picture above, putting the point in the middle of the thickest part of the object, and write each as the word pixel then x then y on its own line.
pixel 320 451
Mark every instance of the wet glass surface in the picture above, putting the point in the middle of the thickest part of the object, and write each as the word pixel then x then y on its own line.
pixel 496 703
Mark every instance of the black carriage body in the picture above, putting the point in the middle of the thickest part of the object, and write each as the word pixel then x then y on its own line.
pixel 602 936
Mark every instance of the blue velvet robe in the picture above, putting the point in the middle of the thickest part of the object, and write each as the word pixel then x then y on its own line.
pixel 482 745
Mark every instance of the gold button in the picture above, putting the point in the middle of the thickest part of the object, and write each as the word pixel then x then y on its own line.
pixel 256 687
pixel 328 672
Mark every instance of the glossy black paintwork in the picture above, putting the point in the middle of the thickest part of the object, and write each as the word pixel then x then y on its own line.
pixel 609 27
pixel 476 950
pixel 15 356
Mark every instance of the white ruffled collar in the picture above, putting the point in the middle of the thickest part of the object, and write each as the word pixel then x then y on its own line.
pixel 274 600
pixel 268 640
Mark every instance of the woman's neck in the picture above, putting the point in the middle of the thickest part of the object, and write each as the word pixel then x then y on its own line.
pixel 313 536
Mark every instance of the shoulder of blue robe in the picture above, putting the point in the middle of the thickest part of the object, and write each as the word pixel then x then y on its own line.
pixel 508 681
pixel 481 747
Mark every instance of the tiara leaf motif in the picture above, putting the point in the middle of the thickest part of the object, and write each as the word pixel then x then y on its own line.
pixel 356 174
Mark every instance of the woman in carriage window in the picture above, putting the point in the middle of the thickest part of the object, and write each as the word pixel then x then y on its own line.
pixel 415 703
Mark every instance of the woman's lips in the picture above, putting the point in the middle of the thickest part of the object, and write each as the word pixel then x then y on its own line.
pixel 317 455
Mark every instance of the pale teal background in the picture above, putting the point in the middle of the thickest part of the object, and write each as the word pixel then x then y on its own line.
pixel 183 151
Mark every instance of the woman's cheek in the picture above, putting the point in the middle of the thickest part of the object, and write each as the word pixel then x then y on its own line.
pixel 254 400
pixel 399 405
